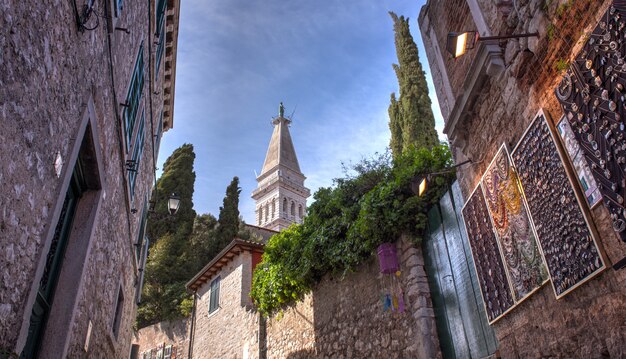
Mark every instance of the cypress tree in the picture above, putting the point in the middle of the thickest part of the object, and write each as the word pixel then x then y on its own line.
pixel 178 177
pixel 167 269
pixel 411 120
pixel 228 220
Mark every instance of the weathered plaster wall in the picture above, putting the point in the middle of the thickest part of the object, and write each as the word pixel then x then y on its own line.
pixel 231 331
pixel 345 318
pixel 591 321
pixel 48 72
pixel 162 334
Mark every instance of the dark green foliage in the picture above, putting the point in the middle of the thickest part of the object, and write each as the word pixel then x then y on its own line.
pixel 178 177
pixel 411 119
pixel 168 268
pixel 228 222
pixel 181 248
pixel 346 223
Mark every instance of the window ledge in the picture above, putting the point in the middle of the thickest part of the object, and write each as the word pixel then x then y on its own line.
pixel 214 312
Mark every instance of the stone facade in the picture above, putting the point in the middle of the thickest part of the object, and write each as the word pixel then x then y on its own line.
pixel 345 318
pixel 340 318
pixel 502 87
pixel 161 336
pixel 62 88
pixel 231 331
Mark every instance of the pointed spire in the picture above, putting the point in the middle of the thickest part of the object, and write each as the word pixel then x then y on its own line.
pixel 281 151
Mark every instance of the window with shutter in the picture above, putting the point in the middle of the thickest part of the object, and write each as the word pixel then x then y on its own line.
pixel 214 299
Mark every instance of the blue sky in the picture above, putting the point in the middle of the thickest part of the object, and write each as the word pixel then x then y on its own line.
pixel 329 61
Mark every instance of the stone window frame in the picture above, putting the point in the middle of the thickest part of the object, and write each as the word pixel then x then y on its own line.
pixel 119 300
pixel 136 154
pixel 214 295
pixel 71 279
pixel 133 99
pixel 160 23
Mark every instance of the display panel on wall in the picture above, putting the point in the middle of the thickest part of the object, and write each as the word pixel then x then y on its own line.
pixel 576 156
pixel 569 247
pixel 505 202
pixel 591 94
pixel 494 285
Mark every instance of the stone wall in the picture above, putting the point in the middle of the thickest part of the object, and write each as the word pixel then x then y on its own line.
pixel 344 318
pixel 589 322
pixel 232 331
pixel 49 73
pixel 162 334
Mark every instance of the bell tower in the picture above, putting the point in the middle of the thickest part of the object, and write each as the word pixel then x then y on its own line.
pixel 280 194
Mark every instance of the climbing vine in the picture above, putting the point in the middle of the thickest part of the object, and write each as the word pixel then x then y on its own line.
pixel 371 205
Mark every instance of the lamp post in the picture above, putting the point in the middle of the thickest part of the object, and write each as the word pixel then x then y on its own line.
pixel 459 42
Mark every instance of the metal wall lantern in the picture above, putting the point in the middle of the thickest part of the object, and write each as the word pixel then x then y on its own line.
pixel 419 184
pixel 173 203
pixel 459 42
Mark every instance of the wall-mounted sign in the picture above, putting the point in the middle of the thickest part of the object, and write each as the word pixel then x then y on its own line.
pixel 568 244
pixel 592 97
pixel 577 158
pixel 494 285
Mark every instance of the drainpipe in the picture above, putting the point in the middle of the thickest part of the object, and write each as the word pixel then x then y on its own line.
pixel 262 337
pixel 192 327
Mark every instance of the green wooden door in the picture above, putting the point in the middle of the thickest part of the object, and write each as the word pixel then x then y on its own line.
pixel 54 263
pixel 459 311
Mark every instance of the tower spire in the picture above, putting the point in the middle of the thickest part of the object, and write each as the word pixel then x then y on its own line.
pixel 280 195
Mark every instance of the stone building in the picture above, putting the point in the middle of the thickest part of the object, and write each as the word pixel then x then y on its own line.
pixel 86 92
pixel 280 196
pixel 489 97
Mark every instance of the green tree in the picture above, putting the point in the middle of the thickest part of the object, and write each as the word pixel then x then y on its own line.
pixel 228 222
pixel 411 119
pixel 178 177
pixel 167 268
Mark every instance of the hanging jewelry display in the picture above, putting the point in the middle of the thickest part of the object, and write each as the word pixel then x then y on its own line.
pixel 591 94
pixel 577 158
pixel 568 244
pixel 523 261
pixel 494 285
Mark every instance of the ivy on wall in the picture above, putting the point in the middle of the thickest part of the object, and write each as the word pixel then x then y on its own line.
pixel 347 222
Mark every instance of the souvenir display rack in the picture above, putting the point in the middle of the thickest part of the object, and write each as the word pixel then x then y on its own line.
pixel 568 244
pixel 591 94
pixel 492 277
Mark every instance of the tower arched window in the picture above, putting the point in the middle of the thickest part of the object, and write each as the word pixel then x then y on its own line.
pixel 267 212
pixel 273 207
pixel 285 205
pixel 260 214
pixel 300 212
pixel 293 208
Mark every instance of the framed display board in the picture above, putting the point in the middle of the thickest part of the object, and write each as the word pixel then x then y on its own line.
pixel 523 260
pixel 492 277
pixel 592 95
pixel 569 247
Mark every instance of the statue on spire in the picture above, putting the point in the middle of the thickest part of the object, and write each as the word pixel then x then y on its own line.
pixel 281 110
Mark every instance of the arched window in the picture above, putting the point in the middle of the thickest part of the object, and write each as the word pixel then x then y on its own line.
pixel 260 214
pixel 300 212
pixel 267 212
pixel 293 208
pixel 273 207
pixel 285 205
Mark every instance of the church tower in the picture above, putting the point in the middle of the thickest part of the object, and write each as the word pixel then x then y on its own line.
pixel 280 196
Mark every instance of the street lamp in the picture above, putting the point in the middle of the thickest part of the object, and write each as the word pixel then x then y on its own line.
pixel 459 42
pixel 173 203
pixel 419 184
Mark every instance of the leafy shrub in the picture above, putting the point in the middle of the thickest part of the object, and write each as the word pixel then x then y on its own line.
pixel 347 222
